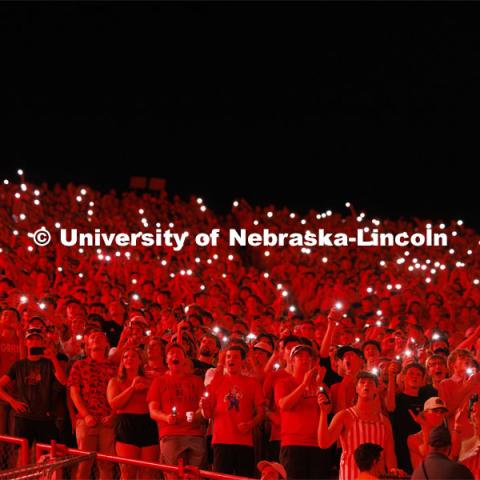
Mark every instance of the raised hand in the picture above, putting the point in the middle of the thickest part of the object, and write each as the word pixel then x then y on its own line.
pixel 324 403
pixel 310 375
pixel 420 419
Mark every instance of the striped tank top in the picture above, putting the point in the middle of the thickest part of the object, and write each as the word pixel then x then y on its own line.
pixel 360 431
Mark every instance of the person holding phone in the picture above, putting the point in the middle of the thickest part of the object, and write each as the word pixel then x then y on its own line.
pixel 38 377
pixel 173 401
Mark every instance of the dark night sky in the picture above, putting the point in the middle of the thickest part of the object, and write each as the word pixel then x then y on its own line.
pixel 306 105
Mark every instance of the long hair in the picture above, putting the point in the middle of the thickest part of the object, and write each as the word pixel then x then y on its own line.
pixel 122 372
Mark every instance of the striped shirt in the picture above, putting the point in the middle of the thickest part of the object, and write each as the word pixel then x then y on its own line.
pixel 360 431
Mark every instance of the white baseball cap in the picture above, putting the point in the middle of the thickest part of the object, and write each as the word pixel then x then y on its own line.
pixel 433 403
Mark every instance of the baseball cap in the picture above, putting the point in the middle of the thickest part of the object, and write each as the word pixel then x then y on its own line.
pixel 31 332
pixel 280 469
pixel 139 319
pixel 347 348
pixel 434 402
pixel 266 347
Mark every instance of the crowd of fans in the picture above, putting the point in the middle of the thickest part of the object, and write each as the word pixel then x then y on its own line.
pixel 318 363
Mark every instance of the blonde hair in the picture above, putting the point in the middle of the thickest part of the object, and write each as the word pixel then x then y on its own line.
pixel 456 354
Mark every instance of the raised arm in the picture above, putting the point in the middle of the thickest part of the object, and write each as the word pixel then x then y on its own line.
pixel 328 434
pixel 468 342
pixel 393 370
pixel 453 404
pixel 328 338
pixel 59 371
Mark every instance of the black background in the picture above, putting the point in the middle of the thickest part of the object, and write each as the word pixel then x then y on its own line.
pixel 300 104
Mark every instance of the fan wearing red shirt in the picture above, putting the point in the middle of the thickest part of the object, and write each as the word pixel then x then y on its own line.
pixel 173 402
pixel 272 378
pixel 236 404
pixel 297 398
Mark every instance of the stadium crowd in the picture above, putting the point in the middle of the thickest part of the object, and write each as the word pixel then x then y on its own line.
pixel 338 362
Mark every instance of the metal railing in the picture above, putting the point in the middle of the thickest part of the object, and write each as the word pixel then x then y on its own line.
pixel 13 452
pixel 54 458
pixel 181 471
pixel 45 470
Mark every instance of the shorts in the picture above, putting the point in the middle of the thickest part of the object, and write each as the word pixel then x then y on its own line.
pixel 42 431
pixel 136 429
pixel 192 450
pixel 234 459
pixel 305 463
pixel 99 438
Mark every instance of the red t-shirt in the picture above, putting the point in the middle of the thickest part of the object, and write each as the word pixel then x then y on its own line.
pixel 269 383
pixel 184 393
pixel 237 399
pixel 299 424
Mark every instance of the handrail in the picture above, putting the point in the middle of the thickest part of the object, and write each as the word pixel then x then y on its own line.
pixel 43 447
pixel 22 443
